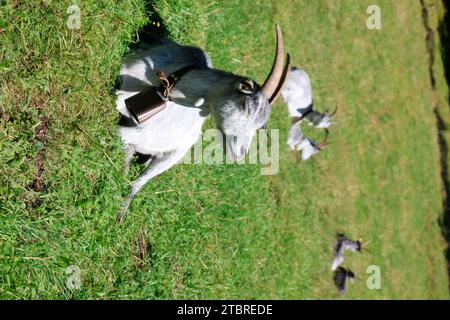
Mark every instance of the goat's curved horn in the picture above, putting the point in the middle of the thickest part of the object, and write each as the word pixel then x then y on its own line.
pixel 324 142
pixel 286 71
pixel 334 112
pixel 275 76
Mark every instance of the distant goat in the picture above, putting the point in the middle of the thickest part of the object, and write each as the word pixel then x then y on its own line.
pixel 308 147
pixel 238 105
pixel 297 94
pixel 341 245
pixel 341 275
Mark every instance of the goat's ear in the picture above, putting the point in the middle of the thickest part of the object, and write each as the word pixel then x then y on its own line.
pixel 247 86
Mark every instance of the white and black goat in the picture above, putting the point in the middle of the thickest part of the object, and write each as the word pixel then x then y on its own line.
pixel 297 94
pixel 297 141
pixel 238 105
pixel 341 245
pixel 341 275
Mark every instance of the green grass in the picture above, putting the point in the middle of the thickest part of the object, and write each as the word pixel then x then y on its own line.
pixel 220 231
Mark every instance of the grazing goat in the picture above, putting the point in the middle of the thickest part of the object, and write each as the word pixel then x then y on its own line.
pixel 297 94
pixel 308 147
pixel 238 105
pixel 343 243
pixel 341 275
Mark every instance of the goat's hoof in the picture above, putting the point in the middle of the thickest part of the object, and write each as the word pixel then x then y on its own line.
pixel 121 215
pixel 123 210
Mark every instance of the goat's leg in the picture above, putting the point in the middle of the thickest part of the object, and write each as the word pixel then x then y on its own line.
pixel 156 166
pixel 295 136
pixel 129 152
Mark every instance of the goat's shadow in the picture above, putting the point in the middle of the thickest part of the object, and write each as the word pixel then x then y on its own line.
pixel 154 28
pixel 444 221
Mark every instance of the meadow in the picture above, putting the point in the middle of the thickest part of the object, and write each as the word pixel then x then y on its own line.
pixel 222 231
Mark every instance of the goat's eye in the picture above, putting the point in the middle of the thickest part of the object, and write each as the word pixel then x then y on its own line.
pixel 247 86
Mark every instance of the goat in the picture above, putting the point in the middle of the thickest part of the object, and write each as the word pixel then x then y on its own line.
pixel 341 275
pixel 297 94
pixel 297 141
pixel 238 105
pixel 343 243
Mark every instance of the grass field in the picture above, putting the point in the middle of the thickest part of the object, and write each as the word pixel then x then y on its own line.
pixel 220 231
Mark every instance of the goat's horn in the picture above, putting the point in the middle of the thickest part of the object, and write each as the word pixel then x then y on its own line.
pixel 324 143
pixel 286 71
pixel 273 80
pixel 334 112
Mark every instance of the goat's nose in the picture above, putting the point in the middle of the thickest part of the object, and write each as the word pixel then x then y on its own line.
pixel 242 149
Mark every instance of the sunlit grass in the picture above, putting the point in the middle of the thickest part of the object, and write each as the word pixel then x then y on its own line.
pixel 220 231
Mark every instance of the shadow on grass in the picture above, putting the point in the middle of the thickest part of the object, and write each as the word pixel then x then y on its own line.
pixel 441 123
pixel 154 28
pixel 444 221
pixel 444 34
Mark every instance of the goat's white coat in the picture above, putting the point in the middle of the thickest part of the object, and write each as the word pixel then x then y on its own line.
pixel 168 135
pixel 297 92
pixel 298 141
pixel 307 148
pixel 175 128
